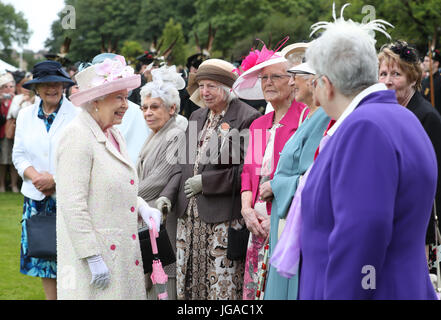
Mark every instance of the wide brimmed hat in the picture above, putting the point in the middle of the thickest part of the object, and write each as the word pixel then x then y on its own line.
pixel 6 78
pixel 294 48
pixel 303 68
pixel 104 78
pixel 211 69
pixel 248 85
pixel 48 71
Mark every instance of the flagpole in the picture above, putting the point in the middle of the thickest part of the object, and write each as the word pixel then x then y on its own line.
pixel 432 93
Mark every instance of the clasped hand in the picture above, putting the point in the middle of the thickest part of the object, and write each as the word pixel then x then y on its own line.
pixel 148 212
pixel 44 182
pixel 258 228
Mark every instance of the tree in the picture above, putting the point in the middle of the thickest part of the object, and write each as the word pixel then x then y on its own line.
pixel 131 50
pixel 101 26
pixel 13 29
pixel 173 33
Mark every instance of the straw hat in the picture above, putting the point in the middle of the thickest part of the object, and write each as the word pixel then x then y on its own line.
pixel 294 48
pixel 6 78
pixel 104 78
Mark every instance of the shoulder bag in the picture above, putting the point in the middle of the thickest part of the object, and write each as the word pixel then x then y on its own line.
pixel 237 239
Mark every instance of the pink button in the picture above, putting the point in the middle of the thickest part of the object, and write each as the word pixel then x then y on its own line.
pixel 112 247
pixel 132 182
pixel 134 236
pixel 137 262
pixel 132 209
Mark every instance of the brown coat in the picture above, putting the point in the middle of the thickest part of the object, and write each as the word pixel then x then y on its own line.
pixel 214 203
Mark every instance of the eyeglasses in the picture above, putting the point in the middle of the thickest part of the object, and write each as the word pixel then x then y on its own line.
pixel 295 75
pixel 315 81
pixel 273 77
pixel 154 106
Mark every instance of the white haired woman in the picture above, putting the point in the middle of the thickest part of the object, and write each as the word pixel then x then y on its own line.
pixel 160 104
pixel 370 191
pixel 98 248
pixel 201 188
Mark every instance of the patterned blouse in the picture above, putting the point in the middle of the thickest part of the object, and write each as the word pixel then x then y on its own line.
pixel 50 118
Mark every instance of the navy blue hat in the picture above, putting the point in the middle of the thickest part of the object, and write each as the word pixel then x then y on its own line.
pixel 48 71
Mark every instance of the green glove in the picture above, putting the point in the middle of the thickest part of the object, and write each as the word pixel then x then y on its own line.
pixel 193 186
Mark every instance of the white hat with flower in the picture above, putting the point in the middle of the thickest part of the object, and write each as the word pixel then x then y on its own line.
pixel 104 78
pixel 248 85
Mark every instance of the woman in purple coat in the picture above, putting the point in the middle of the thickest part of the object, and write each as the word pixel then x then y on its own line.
pixel 368 198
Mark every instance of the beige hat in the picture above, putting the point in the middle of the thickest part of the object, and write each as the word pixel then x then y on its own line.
pixel 6 78
pixel 294 48
pixel 211 69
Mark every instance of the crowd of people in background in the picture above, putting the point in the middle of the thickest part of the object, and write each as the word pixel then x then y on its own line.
pixel 324 155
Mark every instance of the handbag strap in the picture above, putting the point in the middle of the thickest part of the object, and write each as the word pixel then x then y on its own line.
pixel 233 196
pixel 301 116
pixel 437 243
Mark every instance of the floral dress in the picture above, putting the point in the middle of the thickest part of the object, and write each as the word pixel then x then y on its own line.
pixel 30 266
pixel 203 270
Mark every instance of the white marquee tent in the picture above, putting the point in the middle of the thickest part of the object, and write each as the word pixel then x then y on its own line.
pixel 6 66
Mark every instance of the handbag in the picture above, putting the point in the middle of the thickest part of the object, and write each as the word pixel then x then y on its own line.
pixel 237 239
pixel 165 250
pixel 42 235
pixel 10 128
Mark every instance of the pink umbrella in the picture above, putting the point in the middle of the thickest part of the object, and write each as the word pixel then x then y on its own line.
pixel 159 277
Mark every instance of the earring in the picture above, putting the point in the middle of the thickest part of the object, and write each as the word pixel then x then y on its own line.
pixel 96 109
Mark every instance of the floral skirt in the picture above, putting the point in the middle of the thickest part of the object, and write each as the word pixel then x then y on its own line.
pixel 36 267
pixel 253 261
pixel 203 270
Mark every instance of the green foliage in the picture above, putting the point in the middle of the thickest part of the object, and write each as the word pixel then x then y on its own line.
pixel 237 22
pixel 14 285
pixel 173 32
pixel 13 27
pixel 131 50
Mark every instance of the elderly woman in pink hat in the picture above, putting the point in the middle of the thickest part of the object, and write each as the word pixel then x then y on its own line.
pixel 98 249
pixel 265 76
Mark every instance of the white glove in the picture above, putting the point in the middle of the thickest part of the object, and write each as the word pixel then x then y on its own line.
pixel 193 186
pixel 100 272
pixel 146 212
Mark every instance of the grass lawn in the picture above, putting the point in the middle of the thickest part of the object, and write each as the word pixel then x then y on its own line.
pixel 13 284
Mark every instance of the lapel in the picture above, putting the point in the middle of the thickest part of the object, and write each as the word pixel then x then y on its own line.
pixel 229 117
pixel 60 118
pixel 101 138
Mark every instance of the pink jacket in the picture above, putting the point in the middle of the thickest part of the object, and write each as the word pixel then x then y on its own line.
pixel 258 138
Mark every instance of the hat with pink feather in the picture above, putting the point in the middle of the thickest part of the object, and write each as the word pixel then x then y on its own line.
pixel 97 80
pixel 248 85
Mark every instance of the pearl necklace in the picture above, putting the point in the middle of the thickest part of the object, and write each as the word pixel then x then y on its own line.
pixel 46 114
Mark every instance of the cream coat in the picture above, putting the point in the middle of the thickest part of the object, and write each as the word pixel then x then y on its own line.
pixel 96 214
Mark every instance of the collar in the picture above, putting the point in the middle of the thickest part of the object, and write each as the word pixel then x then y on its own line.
pixel 41 113
pixel 354 104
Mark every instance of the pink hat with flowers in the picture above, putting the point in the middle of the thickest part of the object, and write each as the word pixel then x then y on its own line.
pixel 104 78
pixel 248 85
